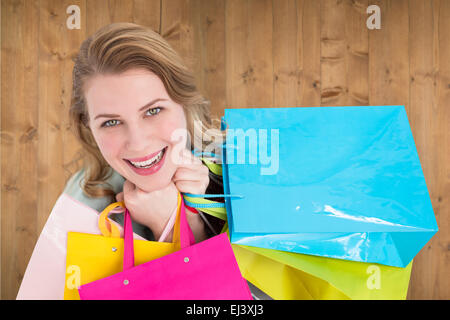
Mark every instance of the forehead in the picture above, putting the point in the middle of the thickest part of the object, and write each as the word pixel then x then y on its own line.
pixel 130 89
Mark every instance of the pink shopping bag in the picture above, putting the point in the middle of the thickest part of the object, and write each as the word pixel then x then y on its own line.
pixel 45 274
pixel 204 271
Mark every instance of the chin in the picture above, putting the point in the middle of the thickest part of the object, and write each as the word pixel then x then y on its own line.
pixel 149 184
pixel 151 187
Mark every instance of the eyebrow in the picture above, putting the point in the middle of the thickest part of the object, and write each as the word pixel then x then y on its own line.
pixel 109 115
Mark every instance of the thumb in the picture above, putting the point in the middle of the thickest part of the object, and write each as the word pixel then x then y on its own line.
pixel 119 197
pixel 128 187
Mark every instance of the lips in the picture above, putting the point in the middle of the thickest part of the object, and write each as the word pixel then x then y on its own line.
pixel 145 171
pixel 145 158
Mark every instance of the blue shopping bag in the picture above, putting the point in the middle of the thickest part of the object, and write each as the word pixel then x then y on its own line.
pixel 338 182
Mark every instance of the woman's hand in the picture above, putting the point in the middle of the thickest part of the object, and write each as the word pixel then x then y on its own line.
pixel 192 176
pixel 152 209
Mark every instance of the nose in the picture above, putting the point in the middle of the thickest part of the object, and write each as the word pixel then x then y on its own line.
pixel 138 139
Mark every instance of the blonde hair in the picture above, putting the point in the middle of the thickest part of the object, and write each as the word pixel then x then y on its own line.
pixel 114 49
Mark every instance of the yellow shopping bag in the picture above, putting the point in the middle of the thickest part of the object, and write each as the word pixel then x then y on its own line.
pixel 91 257
pixel 285 276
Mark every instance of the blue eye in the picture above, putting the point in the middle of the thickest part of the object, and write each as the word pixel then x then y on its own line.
pixel 154 111
pixel 110 123
pixel 115 122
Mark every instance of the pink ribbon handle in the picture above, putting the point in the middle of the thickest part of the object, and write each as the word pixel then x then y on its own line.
pixel 128 259
pixel 186 236
pixel 169 226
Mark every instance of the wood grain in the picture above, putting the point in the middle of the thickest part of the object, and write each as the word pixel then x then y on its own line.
pixel 308 52
pixel 177 28
pixel 344 53
pixel 70 42
pixel 209 42
pixel 19 135
pixel 422 112
pixel 101 13
pixel 249 66
pixel 286 70
pixel 442 153
pixel 244 53
pixel 389 56
pixel 429 117
pixel 147 13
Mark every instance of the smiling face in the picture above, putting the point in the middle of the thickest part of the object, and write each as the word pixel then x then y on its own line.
pixel 133 120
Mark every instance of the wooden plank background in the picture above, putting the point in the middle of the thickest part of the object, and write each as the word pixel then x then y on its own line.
pixel 245 53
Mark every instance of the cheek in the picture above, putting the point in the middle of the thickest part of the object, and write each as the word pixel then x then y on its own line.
pixel 175 131
pixel 109 144
pixel 175 126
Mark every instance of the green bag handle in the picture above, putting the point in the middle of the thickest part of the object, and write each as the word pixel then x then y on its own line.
pixel 213 208
pixel 213 167
pixel 205 157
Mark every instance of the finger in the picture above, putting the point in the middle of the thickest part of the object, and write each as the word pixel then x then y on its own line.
pixel 189 173
pixel 188 159
pixel 119 197
pixel 133 192
pixel 195 160
pixel 180 156
pixel 196 165
pixel 194 187
pixel 128 190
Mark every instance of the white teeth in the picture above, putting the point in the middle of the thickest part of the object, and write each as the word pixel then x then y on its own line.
pixel 150 162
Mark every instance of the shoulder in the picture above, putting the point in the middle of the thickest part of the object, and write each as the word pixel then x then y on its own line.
pixel 73 188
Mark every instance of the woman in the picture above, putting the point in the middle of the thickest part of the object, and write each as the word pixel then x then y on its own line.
pixel 134 106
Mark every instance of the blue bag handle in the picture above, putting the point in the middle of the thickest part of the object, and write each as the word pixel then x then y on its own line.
pixel 202 154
